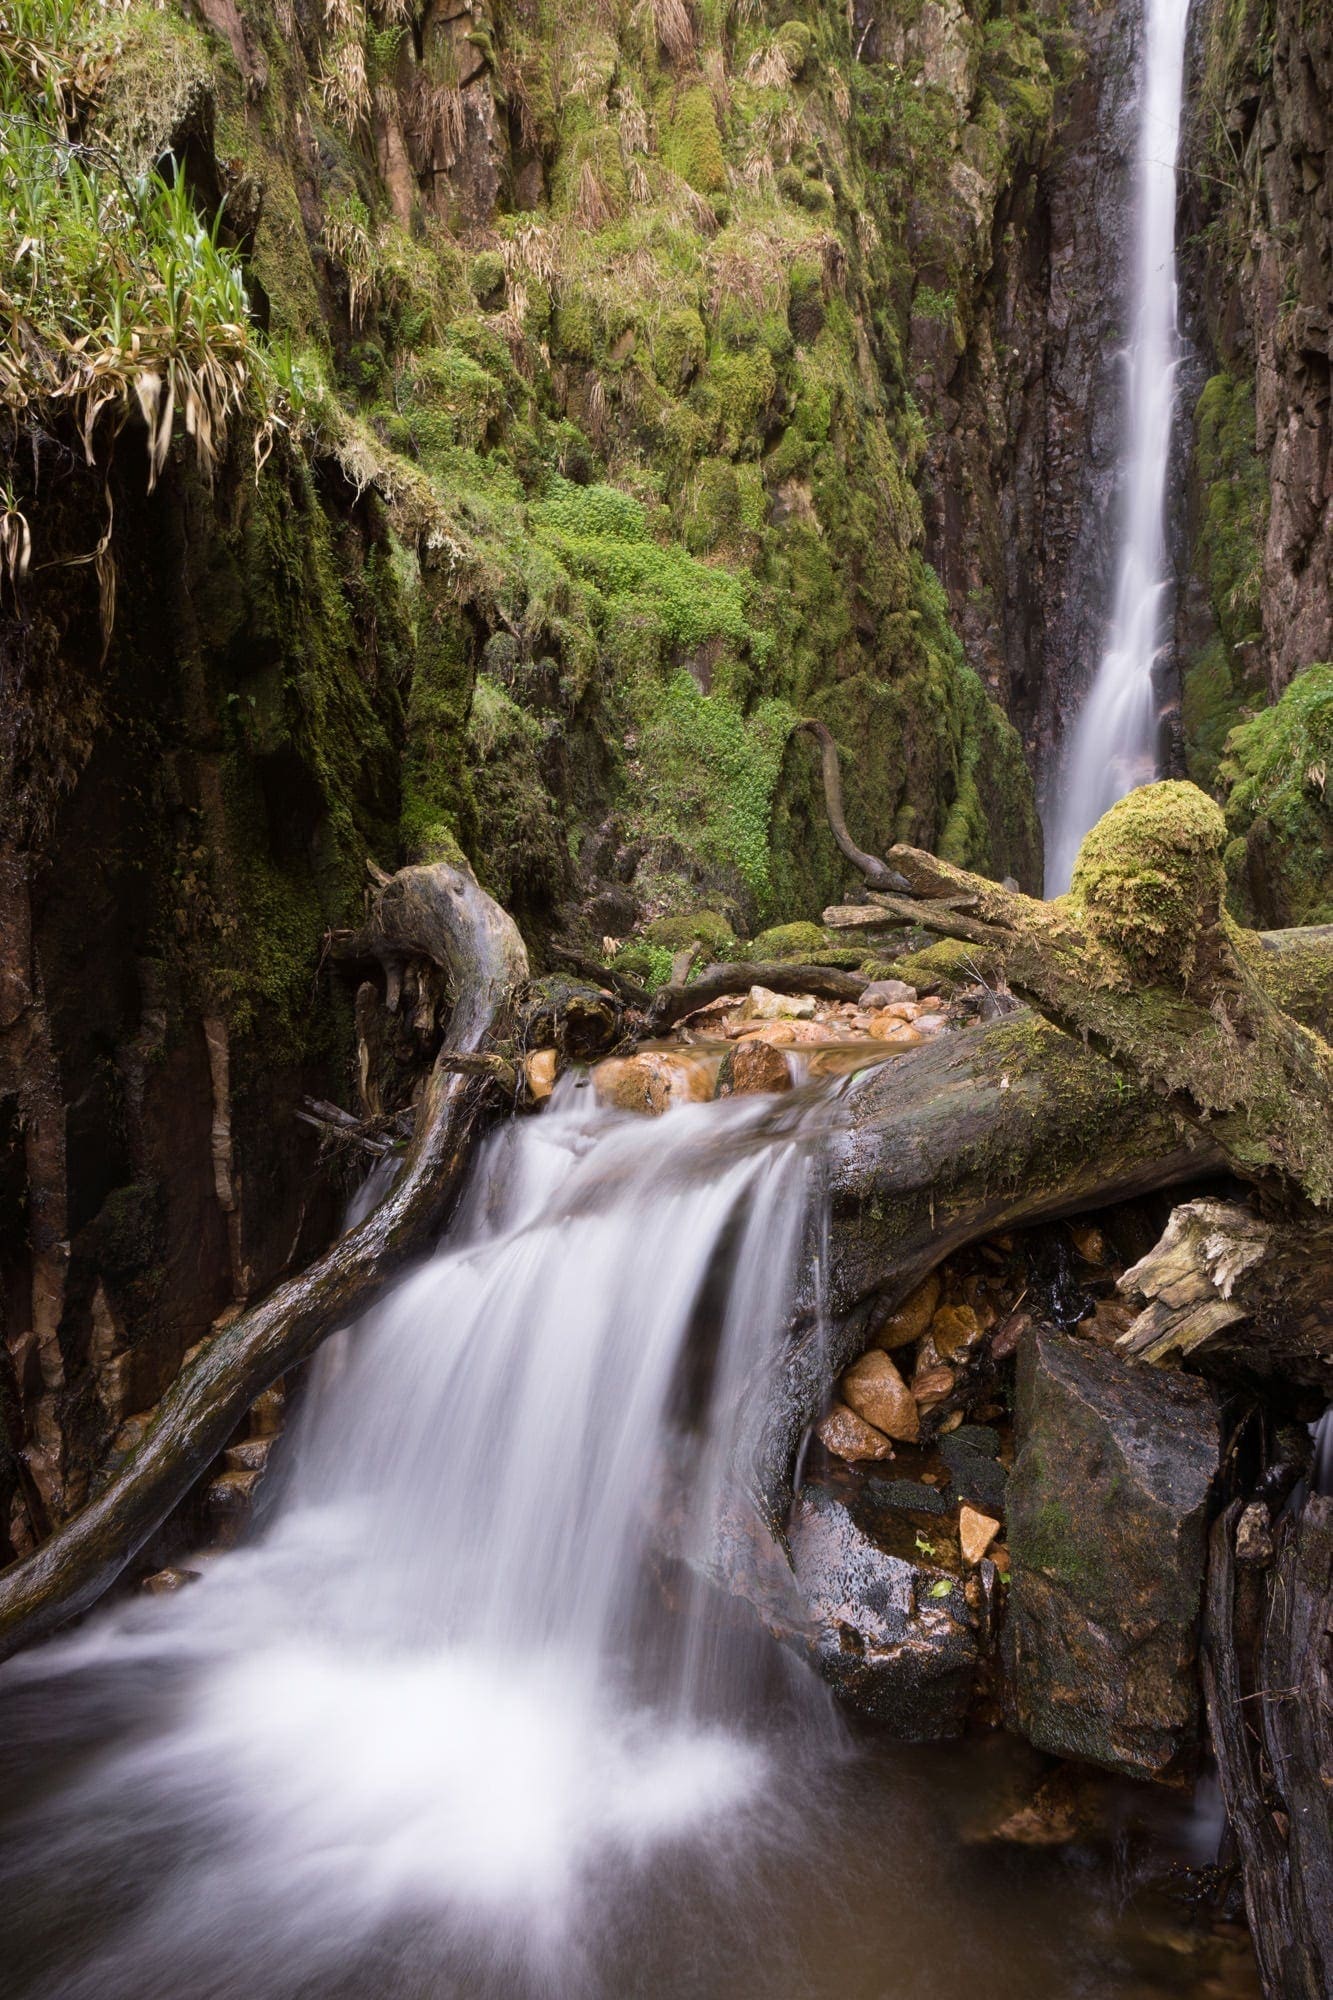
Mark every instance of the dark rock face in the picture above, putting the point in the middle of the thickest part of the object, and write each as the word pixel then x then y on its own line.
pixel 881 1639
pixel 1107 1512
pixel 1258 267
pixel 1019 480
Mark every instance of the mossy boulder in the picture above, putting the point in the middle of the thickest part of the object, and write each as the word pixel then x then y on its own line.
pixel 802 941
pixel 1149 878
pixel 708 928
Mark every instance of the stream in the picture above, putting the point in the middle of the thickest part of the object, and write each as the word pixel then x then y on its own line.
pixel 452 1723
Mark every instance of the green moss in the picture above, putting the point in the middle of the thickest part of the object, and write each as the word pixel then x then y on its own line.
pixel 691 141
pixel 1275 777
pixel 1221 681
pixel 438 803
pixel 704 927
pixel 709 773
pixel 1149 876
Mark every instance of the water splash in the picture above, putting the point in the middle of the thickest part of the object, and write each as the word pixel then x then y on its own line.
pixel 1114 742
pixel 445 1680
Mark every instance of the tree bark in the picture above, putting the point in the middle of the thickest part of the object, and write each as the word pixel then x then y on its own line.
pixel 436 914
pixel 1251 1289
pixel 1272 1745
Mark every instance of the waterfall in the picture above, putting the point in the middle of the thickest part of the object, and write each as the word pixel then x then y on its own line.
pixel 1113 745
pixel 444 1679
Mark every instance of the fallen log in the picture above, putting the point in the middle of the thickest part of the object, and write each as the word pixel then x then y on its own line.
pixel 994 1127
pixel 435 915
pixel 1142 961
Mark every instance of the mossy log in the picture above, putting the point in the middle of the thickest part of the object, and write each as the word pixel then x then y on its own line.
pixel 432 919
pixel 1143 962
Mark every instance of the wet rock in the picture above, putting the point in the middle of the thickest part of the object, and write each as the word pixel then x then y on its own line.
pixel 882 1638
pixel 762 1004
pixel 885 992
pixel 971 1454
pixel 907 1322
pixel 912 1496
pixel 897 1034
pixel 876 1391
pixel 751 1068
pixel 1107 1507
pixel 848 1436
pixel 954 1331
pixel 650 1082
pixel 166 1582
pixel 539 1073
pixel 976 1532
pixel 1254 1537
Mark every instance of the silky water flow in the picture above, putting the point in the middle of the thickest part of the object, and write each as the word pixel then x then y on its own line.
pixel 1113 745
pixel 452 1723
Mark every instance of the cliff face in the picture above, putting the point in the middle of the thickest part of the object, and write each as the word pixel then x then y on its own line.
pixel 576 398
pixel 558 384
pixel 1257 611
pixel 1020 473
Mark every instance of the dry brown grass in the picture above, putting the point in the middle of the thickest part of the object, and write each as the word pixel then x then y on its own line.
pixel 673 24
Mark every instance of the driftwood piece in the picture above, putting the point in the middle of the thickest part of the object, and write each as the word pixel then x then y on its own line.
pixel 1253 1290
pixel 1200 1014
pixel 435 912
pixel 1273 1747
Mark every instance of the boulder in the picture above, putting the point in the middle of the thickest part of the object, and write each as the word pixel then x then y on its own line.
pixel 876 1391
pixel 752 1067
pixel 886 993
pixel 907 1322
pixel 651 1082
pixel 762 1004
pixel 1107 1511
pixel 890 1636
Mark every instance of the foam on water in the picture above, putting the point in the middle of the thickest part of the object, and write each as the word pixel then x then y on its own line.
pixel 443 1679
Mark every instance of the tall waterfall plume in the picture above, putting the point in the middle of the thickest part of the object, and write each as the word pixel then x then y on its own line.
pixel 1113 745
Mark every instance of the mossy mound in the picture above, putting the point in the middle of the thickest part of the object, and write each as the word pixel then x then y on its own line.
pixel 799 942
pixel 1277 779
pixel 1149 878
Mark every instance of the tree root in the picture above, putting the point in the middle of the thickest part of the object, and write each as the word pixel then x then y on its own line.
pixel 433 920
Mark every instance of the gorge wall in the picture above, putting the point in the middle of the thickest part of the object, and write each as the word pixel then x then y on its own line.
pixel 625 383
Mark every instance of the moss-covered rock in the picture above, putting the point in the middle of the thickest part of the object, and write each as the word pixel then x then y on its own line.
pixel 1149 878
pixel 1275 776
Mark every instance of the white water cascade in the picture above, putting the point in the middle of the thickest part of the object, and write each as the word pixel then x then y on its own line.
pixel 1114 742
pixel 443 1683
pixel 461 1720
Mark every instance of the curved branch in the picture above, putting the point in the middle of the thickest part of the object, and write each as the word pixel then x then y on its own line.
pixel 438 912
pixel 877 872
